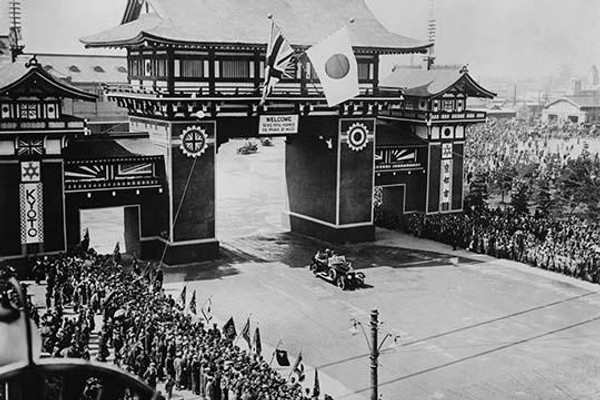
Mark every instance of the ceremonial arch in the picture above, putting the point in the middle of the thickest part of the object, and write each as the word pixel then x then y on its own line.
pixel 195 82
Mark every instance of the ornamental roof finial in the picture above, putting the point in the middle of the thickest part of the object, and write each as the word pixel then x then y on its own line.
pixel 33 62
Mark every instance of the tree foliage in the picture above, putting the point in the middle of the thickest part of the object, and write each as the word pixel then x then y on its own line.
pixel 520 196
pixel 477 197
pixel 579 184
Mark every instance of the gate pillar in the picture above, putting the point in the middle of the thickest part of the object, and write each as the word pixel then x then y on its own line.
pixel 330 181
pixel 190 155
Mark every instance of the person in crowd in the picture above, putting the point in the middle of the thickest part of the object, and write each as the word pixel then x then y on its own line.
pixel 145 332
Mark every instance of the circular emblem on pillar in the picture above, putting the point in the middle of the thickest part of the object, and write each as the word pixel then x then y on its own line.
pixel 193 141
pixel 358 136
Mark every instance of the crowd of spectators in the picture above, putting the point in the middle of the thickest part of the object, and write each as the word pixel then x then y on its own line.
pixel 501 144
pixel 146 332
pixel 569 247
pixel 563 242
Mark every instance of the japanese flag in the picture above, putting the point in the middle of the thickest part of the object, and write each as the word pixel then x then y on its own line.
pixel 335 64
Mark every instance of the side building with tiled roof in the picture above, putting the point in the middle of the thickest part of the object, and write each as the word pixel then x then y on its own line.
pixel 90 73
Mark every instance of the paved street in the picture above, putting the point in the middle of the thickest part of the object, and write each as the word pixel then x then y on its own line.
pixel 471 327
pixel 479 328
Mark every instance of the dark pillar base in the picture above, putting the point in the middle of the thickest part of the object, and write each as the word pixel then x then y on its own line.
pixel 328 233
pixel 180 254
pixel 132 230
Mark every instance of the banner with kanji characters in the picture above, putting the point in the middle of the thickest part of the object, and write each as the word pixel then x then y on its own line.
pixel 32 213
pixel 446 184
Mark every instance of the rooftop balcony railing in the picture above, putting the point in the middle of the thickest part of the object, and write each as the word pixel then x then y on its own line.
pixel 239 91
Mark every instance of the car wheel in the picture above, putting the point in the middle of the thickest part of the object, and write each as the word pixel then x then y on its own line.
pixel 332 274
pixel 341 282
pixel 312 268
pixel 360 281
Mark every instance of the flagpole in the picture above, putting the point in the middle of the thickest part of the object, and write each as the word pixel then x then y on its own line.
pixel 275 352
pixel 238 336
pixel 208 300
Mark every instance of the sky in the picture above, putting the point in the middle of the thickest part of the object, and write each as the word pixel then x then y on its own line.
pixel 507 38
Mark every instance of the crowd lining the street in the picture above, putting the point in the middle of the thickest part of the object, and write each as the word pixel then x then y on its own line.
pixel 146 332
pixel 564 243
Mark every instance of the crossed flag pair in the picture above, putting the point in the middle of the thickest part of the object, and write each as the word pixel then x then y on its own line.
pixel 332 59
pixel 205 309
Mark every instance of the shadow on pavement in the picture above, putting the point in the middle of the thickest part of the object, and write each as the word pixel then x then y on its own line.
pixel 296 251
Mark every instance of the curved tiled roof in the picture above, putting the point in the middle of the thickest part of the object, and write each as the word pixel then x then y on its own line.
pixel 23 77
pixel 89 68
pixel 435 82
pixel 304 22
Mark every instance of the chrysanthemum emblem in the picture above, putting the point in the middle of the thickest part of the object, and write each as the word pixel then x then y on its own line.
pixel 358 136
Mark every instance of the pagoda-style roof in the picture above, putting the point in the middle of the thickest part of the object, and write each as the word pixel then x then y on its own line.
pixel 434 83
pixel 245 23
pixel 25 78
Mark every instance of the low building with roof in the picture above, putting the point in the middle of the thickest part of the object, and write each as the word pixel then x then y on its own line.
pixel 91 73
pixel 52 167
pixel 574 109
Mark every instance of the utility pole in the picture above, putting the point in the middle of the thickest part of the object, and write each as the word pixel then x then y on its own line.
pixel 374 347
pixel 14 13
pixel 374 353
pixel 431 32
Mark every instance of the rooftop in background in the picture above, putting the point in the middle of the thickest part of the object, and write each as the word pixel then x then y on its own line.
pixel 85 68
pixel 199 22
pixel 434 82
pixel 579 101
pixel 27 77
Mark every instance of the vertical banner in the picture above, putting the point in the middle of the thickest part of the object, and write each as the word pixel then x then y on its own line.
pixel 446 184
pixel 32 213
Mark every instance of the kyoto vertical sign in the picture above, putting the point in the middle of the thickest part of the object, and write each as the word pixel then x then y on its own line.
pixel 32 203
pixel 446 177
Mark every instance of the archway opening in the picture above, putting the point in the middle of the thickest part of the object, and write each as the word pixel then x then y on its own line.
pixel 106 227
pixel 251 195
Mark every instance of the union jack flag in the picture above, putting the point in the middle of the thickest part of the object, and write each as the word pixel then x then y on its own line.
pixel 279 56
pixel 30 147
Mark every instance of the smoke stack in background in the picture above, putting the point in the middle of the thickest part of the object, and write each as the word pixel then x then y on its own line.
pixel 577 86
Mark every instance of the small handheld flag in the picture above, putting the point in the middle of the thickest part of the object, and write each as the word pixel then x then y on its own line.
pixel 257 342
pixel 229 329
pixel 316 387
pixel 298 368
pixel 206 311
pixel 193 303
pixel 246 332
pixel 282 358
pixel 182 296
